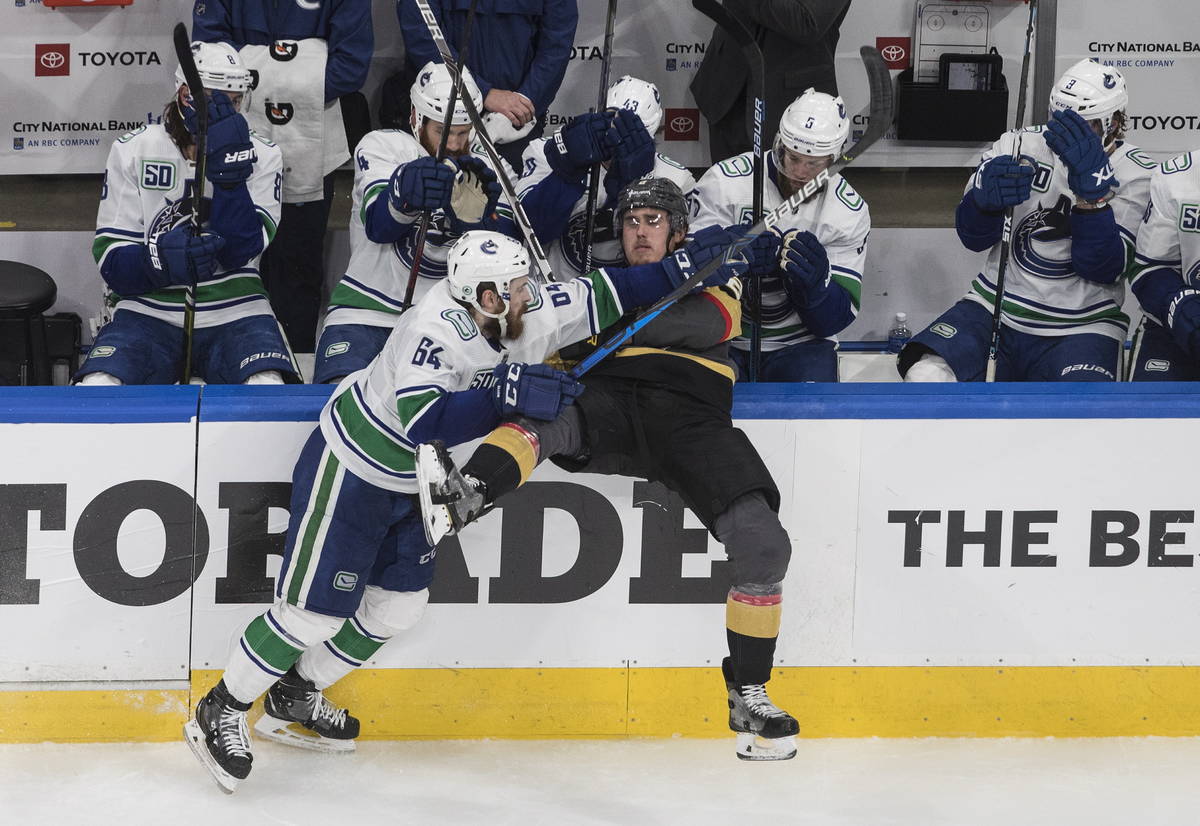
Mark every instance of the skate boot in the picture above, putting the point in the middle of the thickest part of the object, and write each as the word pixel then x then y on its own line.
pixel 764 731
pixel 297 714
pixel 219 738
pixel 449 500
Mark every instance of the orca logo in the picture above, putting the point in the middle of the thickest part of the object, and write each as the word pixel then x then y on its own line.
pixel 425 76
pixel 279 113
pixel 841 109
pixel 284 50
pixel 489 247
pixel 253 79
pixel 1109 81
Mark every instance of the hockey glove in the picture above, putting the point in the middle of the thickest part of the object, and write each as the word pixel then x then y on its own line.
pixel 1183 319
pixel 476 192
pixel 1003 182
pixel 763 252
pixel 805 266
pixel 582 142
pixel 421 185
pixel 177 258
pixel 1089 172
pixel 230 154
pixel 707 244
pixel 534 390
pixel 632 152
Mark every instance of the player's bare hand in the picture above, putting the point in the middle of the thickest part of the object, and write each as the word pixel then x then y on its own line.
pixel 513 105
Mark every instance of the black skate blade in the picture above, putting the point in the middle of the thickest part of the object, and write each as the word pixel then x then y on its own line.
pixel 194 736
pixel 295 735
pixel 755 748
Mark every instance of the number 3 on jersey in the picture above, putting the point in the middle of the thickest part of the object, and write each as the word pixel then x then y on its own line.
pixel 427 354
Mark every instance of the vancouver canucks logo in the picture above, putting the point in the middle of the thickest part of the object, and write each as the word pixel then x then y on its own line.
pixel 841 109
pixel 1109 81
pixel 574 248
pixel 489 247
pixel 1041 241
pixel 425 76
pixel 1193 275
pixel 284 50
pixel 174 214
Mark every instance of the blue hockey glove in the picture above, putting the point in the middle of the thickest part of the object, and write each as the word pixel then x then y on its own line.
pixel 763 253
pixel 1183 320
pixel 707 244
pixel 579 144
pixel 423 184
pixel 805 266
pixel 1089 171
pixel 1003 182
pixel 230 154
pixel 476 192
pixel 534 390
pixel 178 258
pixel 632 152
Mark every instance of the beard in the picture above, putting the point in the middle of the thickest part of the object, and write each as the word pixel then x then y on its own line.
pixel 516 325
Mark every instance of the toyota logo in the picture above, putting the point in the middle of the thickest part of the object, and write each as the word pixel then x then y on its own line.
pixel 682 124
pixel 893 53
pixel 53 60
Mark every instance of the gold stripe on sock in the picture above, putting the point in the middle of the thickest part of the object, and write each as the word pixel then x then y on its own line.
pixel 519 443
pixel 753 619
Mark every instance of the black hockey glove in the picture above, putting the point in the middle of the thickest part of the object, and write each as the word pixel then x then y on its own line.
pixel 534 390
pixel 423 184
pixel 582 142
pixel 231 156
pixel 805 267
pixel 632 153
pixel 1089 171
pixel 177 258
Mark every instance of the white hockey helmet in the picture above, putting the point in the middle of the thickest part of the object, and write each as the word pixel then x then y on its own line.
pixel 1093 91
pixel 813 124
pixel 640 97
pixel 480 257
pixel 430 95
pixel 220 67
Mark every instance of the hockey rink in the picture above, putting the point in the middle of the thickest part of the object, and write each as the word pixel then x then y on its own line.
pixel 865 782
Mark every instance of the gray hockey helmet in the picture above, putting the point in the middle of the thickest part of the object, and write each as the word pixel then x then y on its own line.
pixel 655 193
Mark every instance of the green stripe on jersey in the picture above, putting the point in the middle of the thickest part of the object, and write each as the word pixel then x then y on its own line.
pixel 102 243
pixel 368 197
pixel 224 289
pixel 411 405
pixel 345 295
pixel 851 285
pixel 1020 311
pixel 362 432
pixel 608 307
pixel 302 557
pixel 271 648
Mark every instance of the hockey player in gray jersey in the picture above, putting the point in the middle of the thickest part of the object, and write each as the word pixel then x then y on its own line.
pixel 397 178
pixel 1166 275
pixel 553 185
pixel 356 566
pixel 1077 194
pixel 806 304
pixel 149 255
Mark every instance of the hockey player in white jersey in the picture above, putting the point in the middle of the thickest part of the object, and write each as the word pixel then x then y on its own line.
pixel 814 292
pixel 148 255
pixel 356 566
pixel 396 179
pixel 1077 194
pixel 1166 275
pixel 553 185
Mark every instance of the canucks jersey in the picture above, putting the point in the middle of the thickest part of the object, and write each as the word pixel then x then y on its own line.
pixel 147 190
pixel 566 253
pixel 439 350
pixel 1043 295
pixel 836 215
pixel 372 289
pixel 1169 237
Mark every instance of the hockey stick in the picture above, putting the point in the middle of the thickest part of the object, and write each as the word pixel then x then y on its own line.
pixel 1006 231
pixel 594 175
pixel 540 263
pixel 447 122
pixel 183 51
pixel 879 79
pixel 736 29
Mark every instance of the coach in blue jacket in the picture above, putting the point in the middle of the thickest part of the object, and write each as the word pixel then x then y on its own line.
pixel 292 266
pixel 519 51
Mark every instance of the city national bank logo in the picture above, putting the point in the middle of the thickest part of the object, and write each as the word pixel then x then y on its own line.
pixel 51 59
pixel 895 51
pixel 682 124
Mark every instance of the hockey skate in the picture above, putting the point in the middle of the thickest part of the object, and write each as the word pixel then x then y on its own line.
pixel 764 731
pixel 218 736
pixel 297 714
pixel 449 501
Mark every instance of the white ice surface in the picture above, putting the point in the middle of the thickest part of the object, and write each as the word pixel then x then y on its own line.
pixel 1140 781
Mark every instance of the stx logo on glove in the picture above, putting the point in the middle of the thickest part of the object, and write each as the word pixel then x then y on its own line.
pixel 243 155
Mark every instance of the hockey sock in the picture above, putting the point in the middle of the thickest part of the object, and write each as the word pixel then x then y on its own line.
pixel 347 650
pixel 752 627
pixel 263 654
pixel 505 459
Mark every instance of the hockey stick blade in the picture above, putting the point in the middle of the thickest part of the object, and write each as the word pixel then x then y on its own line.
pixel 541 263
pixel 879 79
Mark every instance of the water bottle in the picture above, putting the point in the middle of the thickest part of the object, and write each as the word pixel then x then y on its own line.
pixel 899 335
